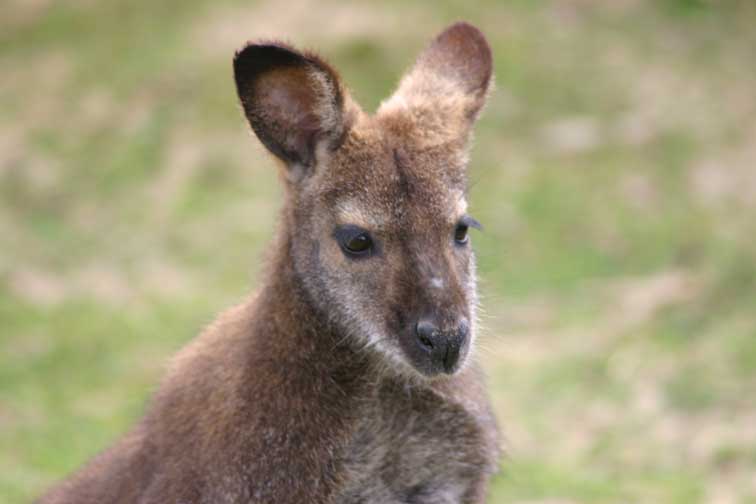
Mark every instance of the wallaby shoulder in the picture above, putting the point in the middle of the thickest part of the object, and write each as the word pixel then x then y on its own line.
pixel 262 401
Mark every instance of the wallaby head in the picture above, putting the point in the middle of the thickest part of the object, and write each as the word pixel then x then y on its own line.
pixel 375 220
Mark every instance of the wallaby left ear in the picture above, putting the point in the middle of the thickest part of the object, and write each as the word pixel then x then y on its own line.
pixel 293 101
pixel 450 80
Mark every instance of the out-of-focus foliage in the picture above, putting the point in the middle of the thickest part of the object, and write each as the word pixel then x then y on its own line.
pixel 614 171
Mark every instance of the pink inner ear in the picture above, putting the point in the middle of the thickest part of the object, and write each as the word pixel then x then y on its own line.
pixel 287 103
pixel 291 106
pixel 291 111
pixel 286 95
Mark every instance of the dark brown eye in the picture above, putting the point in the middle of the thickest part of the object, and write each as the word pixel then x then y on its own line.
pixel 460 234
pixel 354 241
pixel 358 244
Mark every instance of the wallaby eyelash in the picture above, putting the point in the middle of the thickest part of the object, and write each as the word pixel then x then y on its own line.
pixel 468 221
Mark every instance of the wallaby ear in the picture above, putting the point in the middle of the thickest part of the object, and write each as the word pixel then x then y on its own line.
pixel 449 82
pixel 293 101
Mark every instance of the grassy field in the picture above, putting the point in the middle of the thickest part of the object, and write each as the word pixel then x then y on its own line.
pixel 614 171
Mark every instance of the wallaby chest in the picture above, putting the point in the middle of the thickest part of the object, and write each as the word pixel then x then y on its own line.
pixel 417 446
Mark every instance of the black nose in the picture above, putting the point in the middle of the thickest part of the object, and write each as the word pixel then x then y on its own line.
pixel 443 347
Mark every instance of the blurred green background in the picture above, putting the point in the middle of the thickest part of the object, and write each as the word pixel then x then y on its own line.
pixel 614 170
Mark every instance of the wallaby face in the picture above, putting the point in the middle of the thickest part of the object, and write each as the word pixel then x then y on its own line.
pixel 376 213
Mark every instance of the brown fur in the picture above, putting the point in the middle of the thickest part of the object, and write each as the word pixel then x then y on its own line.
pixel 316 390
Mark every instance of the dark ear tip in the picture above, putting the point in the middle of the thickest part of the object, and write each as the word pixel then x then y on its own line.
pixel 464 31
pixel 466 28
pixel 258 55
pixel 262 46
pixel 471 48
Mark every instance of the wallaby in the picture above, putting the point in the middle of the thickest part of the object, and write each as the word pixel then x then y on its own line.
pixel 349 377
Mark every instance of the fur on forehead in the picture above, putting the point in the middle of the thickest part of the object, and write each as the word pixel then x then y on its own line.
pixel 376 179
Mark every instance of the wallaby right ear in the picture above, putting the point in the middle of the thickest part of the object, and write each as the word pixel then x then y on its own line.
pixel 448 85
pixel 293 101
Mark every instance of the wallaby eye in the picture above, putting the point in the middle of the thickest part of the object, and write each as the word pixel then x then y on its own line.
pixel 460 234
pixel 463 226
pixel 359 244
pixel 354 241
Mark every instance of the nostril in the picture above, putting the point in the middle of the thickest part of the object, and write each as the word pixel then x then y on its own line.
pixel 425 341
pixel 442 347
pixel 426 334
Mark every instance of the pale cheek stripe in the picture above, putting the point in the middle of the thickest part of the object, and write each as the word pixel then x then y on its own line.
pixel 461 206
